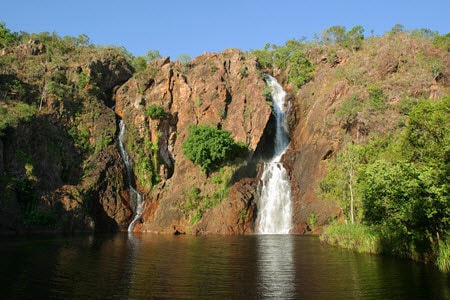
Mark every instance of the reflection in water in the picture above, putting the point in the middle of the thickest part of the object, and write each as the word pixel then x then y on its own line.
pixel 276 269
pixel 140 266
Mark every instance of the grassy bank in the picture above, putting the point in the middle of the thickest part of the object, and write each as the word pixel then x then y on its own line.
pixel 366 239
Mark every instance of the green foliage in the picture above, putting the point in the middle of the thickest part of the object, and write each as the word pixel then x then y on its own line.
pixel 139 63
pixel 377 99
pixel 340 183
pixel 80 134
pixel 145 157
pixel 428 133
pixel 184 58
pixel 83 80
pixel 354 38
pixel 196 204
pixel 7 37
pixel 402 183
pixel 313 219
pixel 443 255
pixel 40 218
pixel 267 93
pixel 289 57
pixel 13 113
pixel 155 111
pixel 334 35
pixel 351 107
pixel 264 57
pixel 356 237
pixel 301 69
pixel 406 105
pixel 338 35
pixel 60 90
pixel 209 147
pixel 152 55
pixel 442 41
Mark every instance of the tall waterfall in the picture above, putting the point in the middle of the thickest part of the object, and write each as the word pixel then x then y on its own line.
pixel 274 203
pixel 136 198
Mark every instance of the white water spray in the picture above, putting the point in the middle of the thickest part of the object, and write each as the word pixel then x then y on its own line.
pixel 274 203
pixel 136 198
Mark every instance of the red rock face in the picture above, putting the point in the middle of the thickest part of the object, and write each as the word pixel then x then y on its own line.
pixel 222 90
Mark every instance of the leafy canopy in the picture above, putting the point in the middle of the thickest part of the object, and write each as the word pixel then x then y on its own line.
pixel 209 147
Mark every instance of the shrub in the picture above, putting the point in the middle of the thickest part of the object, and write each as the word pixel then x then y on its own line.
pixel 300 69
pixel 154 111
pixel 209 147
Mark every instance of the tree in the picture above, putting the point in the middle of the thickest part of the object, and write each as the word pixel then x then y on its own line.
pixel 184 58
pixel 7 37
pixel 442 41
pixel 334 35
pixel 301 68
pixel 152 55
pixel 209 147
pixel 139 63
pixel 339 184
pixel 354 38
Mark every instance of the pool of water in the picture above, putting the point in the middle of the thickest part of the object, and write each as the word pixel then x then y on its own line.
pixel 142 266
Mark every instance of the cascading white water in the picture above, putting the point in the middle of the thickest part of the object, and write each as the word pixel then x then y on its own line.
pixel 136 198
pixel 274 203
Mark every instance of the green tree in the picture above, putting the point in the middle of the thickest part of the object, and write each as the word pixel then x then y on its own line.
pixel 209 147
pixel 442 41
pixel 340 182
pixel 7 37
pixel 139 63
pixel 301 69
pixel 184 58
pixel 152 55
pixel 334 35
pixel 354 38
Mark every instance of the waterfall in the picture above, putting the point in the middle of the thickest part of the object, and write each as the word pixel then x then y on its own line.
pixel 274 203
pixel 136 198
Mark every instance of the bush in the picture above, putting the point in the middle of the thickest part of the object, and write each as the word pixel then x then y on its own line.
pixel 154 111
pixel 209 147
pixel 301 69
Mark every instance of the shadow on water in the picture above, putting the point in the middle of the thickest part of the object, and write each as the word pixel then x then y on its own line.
pixel 142 266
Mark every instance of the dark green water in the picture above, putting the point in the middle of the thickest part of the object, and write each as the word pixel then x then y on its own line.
pixel 209 267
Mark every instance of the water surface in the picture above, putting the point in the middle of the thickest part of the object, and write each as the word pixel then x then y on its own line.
pixel 145 266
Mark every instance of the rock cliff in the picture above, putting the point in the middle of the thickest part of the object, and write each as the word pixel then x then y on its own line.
pixel 61 168
pixel 223 90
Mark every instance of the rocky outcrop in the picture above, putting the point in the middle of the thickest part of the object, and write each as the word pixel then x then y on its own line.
pixel 235 215
pixel 222 90
pixel 63 172
pixel 319 127
pixel 62 169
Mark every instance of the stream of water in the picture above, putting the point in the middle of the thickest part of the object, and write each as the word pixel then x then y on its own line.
pixel 274 203
pixel 136 198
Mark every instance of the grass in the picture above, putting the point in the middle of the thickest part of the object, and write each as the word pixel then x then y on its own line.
pixel 443 256
pixel 361 238
pixel 355 237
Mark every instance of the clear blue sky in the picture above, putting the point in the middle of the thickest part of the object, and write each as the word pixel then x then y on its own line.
pixel 177 27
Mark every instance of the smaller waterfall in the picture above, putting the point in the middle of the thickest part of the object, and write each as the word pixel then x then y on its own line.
pixel 136 198
pixel 274 203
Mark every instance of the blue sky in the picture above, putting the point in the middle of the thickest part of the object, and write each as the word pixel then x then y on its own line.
pixel 178 27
